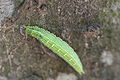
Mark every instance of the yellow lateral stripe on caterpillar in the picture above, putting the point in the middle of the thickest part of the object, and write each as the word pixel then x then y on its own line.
pixel 58 50
pixel 52 45
pixel 47 42
pixel 64 54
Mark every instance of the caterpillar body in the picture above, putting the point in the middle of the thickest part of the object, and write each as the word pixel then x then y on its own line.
pixel 57 45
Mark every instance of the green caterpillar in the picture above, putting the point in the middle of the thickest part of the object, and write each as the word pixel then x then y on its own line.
pixel 57 45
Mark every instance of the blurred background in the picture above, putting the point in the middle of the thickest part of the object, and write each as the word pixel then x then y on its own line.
pixel 76 22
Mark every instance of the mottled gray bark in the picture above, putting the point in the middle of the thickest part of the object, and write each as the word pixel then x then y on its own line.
pixel 24 58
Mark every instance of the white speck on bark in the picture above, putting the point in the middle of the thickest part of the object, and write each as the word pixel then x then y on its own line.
pixel 64 76
pixel 107 58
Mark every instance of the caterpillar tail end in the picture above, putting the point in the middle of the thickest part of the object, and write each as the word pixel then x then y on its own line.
pixel 81 72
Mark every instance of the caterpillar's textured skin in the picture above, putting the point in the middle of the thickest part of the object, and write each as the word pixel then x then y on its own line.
pixel 57 45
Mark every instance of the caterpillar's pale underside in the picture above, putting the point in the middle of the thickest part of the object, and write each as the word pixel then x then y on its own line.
pixel 57 45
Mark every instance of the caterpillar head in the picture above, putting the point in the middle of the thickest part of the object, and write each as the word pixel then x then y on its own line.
pixel 22 30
